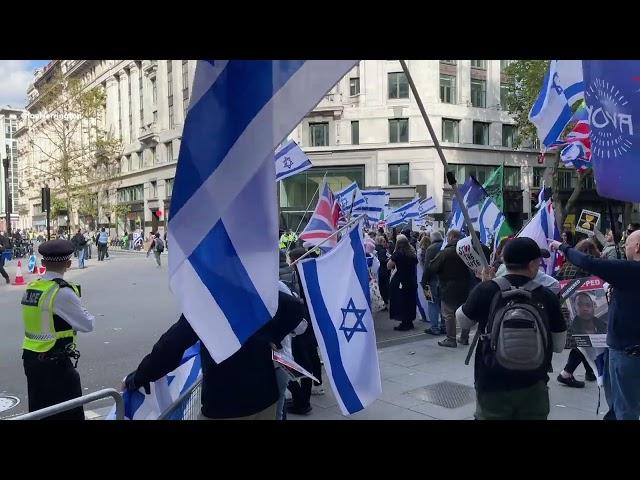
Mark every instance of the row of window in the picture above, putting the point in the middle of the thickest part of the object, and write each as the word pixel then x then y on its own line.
pixel 480 64
pixel 135 193
pixel 399 132
pixel 134 161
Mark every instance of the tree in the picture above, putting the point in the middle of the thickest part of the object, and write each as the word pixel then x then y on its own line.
pixel 79 156
pixel 525 81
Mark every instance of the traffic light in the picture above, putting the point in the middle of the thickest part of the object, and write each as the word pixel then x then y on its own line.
pixel 46 199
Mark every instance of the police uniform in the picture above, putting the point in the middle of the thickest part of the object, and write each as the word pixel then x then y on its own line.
pixel 53 314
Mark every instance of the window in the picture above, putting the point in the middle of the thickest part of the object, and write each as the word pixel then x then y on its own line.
pixel 170 91
pixel 565 179
pixel 154 92
pixel 588 183
pixel 129 163
pixel 480 133
pixel 185 87
pixel 482 64
pixel 131 194
pixel 169 150
pixel 319 134
pixel 354 86
pixel 509 133
pixel 480 172
pixel 168 186
pixel 538 176
pixel 478 93
pixel 138 161
pixel 504 64
pixel 152 150
pixel 398 130
pixel 447 89
pixel 449 62
pixel 504 92
pixel 450 130
pixel 154 189
pixel 398 85
pixel 355 133
pixel 512 177
pixel 399 174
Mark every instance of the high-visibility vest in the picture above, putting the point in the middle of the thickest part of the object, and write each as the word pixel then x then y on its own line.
pixel 40 334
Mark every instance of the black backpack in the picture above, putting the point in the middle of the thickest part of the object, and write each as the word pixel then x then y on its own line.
pixel 159 245
pixel 516 336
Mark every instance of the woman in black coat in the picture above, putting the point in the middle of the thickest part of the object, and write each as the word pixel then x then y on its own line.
pixel 383 271
pixel 403 287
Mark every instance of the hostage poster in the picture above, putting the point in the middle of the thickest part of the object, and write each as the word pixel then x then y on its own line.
pixel 586 301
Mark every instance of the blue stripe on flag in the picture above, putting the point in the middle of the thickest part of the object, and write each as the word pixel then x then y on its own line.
pixel 544 91
pixel 286 149
pixel 378 192
pixel 360 263
pixel 236 105
pixel 329 334
pixel 304 166
pixel 559 125
pixel 573 90
pixel 240 302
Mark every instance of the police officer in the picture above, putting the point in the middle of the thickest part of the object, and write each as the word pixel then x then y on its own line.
pixel 287 238
pixel 52 315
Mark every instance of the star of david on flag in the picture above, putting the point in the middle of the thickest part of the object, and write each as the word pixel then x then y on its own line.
pixel 358 325
pixel 290 160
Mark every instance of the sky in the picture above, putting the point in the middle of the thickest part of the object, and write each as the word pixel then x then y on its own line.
pixel 15 77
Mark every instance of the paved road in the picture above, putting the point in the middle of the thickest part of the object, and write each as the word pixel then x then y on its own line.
pixel 133 306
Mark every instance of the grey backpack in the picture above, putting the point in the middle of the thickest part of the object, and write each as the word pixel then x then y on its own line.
pixel 516 337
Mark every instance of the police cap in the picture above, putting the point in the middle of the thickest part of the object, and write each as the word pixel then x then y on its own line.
pixel 56 250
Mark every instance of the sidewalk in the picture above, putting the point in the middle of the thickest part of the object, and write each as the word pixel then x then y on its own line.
pixel 419 377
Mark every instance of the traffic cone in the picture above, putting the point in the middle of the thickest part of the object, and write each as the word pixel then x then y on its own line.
pixel 19 278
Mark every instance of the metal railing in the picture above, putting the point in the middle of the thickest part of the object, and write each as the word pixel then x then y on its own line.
pixel 187 406
pixel 77 402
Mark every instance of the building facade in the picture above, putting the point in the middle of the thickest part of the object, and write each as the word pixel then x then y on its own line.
pixel 9 118
pixel 146 103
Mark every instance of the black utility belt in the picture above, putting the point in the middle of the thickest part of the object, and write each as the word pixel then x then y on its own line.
pixel 69 352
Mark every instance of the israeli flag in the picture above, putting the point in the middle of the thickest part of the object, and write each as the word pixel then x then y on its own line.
pixel 224 276
pixel 402 215
pixel 290 160
pixel 374 203
pixel 541 227
pixel 336 287
pixel 426 206
pixel 563 86
pixel 490 220
pixel 349 203
pixel 164 392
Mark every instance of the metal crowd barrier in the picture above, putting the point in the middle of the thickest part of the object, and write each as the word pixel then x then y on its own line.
pixel 77 402
pixel 187 406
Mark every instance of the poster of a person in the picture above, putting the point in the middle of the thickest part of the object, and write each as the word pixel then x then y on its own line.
pixel 588 310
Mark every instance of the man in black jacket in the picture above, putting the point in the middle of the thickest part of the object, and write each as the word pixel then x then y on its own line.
pixel 455 284
pixel 431 279
pixel 241 387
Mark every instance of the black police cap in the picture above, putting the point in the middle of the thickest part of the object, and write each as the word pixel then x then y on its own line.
pixel 56 250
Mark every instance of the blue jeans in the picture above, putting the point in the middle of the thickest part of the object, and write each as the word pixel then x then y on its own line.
pixel 624 371
pixel 282 380
pixel 433 308
pixel 81 257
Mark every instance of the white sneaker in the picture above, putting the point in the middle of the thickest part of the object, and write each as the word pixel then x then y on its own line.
pixel 317 391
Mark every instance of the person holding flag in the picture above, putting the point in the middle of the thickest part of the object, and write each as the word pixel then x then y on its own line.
pixel 403 287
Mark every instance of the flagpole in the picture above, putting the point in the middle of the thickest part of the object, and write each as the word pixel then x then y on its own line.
pixel 348 224
pixel 307 210
pixel 451 179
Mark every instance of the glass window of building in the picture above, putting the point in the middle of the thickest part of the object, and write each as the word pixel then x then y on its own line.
pixel 480 133
pixel 478 93
pixel 449 62
pixel 319 133
pixel 538 176
pixel 447 88
pixel 398 85
pixel 450 130
pixel 504 95
pixel 168 187
pixel 398 130
pixel 355 133
pixel 354 86
pixel 509 133
pixel 399 174
pixel 482 64
pixel 512 177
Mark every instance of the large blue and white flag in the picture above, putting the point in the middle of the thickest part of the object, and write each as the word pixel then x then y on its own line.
pixel 489 221
pixel 562 86
pixel 374 203
pixel 542 227
pixel 350 199
pixel 336 287
pixel 612 95
pixel 223 275
pixel 291 160
pixel 164 392
pixel 405 213
pixel 472 195
pixel 428 205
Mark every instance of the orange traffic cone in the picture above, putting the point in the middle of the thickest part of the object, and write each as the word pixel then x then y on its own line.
pixel 19 278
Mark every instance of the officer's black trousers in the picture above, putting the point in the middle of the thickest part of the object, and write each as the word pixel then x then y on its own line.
pixel 51 382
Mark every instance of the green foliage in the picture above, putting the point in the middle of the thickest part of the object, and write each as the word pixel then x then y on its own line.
pixel 525 81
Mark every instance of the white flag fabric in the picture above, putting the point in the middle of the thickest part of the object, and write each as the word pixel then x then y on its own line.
pixel 426 206
pixel 336 286
pixel 542 227
pixel 290 160
pixel 223 275
pixel 374 203
pixel 489 221
pixel 563 86
pixel 347 199
pixel 402 215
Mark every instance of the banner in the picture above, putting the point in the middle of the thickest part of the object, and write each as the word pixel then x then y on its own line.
pixel 586 302
pixel 469 256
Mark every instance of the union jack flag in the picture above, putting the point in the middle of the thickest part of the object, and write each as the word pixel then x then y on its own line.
pixel 324 220
pixel 576 147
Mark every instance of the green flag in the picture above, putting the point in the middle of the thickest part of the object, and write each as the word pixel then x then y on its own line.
pixel 493 186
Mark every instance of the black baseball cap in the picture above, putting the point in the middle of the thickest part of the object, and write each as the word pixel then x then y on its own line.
pixel 521 250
